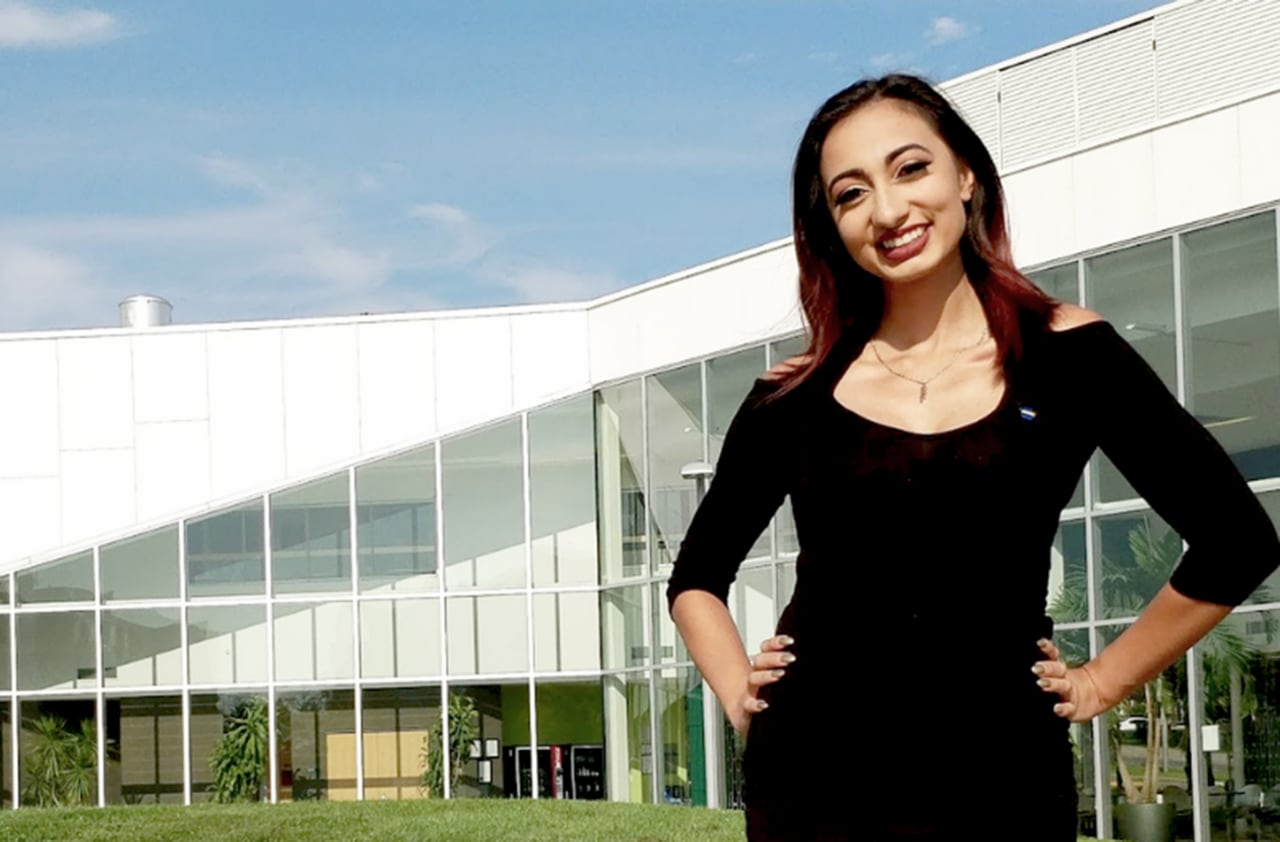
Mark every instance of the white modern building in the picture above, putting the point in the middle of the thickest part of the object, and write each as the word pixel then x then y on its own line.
pixel 339 524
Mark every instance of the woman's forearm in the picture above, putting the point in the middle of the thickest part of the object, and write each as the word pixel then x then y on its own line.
pixel 712 639
pixel 1167 628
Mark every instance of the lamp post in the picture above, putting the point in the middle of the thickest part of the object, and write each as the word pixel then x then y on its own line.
pixel 712 715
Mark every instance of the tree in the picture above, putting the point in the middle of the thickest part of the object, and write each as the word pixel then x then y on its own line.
pixel 239 760
pixel 464 729
pixel 61 764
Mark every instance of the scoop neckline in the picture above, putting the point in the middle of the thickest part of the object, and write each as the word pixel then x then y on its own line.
pixel 1005 395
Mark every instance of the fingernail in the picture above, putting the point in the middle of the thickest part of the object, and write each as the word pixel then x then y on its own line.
pixel 763 705
pixel 1038 669
pixel 1042 642
pixel 786 640
pixel 778 673
pixel 788 658
pixel 1044 682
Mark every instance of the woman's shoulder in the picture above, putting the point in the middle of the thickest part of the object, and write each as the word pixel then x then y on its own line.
pixel 1066 318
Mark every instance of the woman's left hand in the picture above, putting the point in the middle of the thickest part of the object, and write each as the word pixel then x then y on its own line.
pixel 1075 686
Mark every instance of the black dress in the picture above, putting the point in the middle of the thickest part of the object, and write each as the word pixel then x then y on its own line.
pixel 911 711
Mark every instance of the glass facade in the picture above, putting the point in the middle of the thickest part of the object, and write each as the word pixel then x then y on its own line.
pixel 511 579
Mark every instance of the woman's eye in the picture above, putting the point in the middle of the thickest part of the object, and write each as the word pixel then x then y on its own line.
pixel 913 167
pixel 848 195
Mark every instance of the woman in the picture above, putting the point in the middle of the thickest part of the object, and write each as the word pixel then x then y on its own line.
pixel 929 441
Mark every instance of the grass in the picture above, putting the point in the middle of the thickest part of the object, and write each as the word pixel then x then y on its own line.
pixel 384 821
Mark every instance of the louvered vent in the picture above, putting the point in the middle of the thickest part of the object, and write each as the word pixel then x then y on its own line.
pixel 1115 80
pixel 1209 52
pixel 978 101
pixel 1037 108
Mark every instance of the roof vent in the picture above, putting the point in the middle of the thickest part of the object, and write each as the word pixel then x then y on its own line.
pixel 145 311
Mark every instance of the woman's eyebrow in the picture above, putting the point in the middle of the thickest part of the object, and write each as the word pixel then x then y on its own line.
pixel 861 173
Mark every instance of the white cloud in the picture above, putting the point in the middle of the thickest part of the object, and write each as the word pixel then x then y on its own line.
pixel 451 236
pixel 943 30
pixel 541 284
pixel 890 61
pixel 40 287
pixel 23 24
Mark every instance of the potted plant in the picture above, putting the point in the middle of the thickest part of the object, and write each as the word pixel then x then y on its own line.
pixel 464 729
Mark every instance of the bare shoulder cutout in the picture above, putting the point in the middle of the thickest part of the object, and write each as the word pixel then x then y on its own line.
pixel 1068 316
pixel 786 367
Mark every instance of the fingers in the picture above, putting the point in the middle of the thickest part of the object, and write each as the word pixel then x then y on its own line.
pixel 759 678
pixel 754 705
pixel 776 643
pixel 1050 649
pixel 772 660
pixel 1049 669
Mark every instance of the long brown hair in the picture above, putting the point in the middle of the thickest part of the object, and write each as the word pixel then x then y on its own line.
pixel 844 302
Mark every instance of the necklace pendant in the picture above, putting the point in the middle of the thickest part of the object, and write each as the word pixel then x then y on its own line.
pixel 924 388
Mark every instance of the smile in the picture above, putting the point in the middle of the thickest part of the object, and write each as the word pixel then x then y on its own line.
pixel 903 239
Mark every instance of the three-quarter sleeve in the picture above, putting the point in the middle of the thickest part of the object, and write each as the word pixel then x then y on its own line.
pixel 746 490
pixel 1179 468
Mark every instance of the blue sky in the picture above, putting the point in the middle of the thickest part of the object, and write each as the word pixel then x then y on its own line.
pixel 276 158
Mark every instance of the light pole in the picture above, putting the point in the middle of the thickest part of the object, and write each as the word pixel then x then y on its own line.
pixel 712 715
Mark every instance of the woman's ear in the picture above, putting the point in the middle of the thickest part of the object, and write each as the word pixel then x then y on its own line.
pixel 967 182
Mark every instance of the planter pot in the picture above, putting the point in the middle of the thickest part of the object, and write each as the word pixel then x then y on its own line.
pixel 1146 822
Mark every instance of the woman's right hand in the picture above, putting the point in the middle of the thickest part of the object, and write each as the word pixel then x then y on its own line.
pixel 766 667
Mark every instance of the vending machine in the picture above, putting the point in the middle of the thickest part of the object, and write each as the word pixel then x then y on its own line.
pixel 564 771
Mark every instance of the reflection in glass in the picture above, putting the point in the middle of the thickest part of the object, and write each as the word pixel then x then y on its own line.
pixel 674 419
pixel 570 722
pixel 1137 554
pixel 311 537
pixel 562 491
pixel 5 683
pixel 400 638
pixel 227 644
pixel 313 640
pixel 54 730
pixel 68 579
pixel 1068 592
pixel 670 644
pixel 1133 289
pixel 684 761
pixel 729 379
pixel 620 482
pixel 56 651
pixel 566 632
pixel 1061 282
pixel 397 722
pixel 222 725
pixel 752 605
pixel 4 589
pixel 1232 344
pixel 316 745
pixel 1269 590
pixel 148 732
pixel 142 647
pixel 225 552
pixel 145 567
pixel 786 583
pixel 629 773
pixel 486 715
pixel 487 635
pixel 1074 646
pixel 624 627
pixel 396 522
pixel 483 488
pixel 6 756
pixel 785 349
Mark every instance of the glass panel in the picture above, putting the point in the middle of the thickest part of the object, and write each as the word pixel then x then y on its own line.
pixel 311 537
pixel 624 627
pixel 230 752
pixel 751 603
pixel 145 567
pixel 1061 282
pixel 629 772
pixel 1068 576
pixel 1269 590
pixel 566 632
pixel 396 523
pixel 142 647
pixel 65 580
pixel 785 349
pixel 313 641
pixel 620 482
pixel 562 490
pixel 400 638
pixel 487 634
pixel 1074 646
pixel 225 553
pixel 1133 289
pixel 729 379
pixel 59 753
pixel 488 723
pixel 4 589
pixel 788 540
pixel 1233 344
pixel 684 761
pixel 4 653
pixel 148 733
pixel 674 421
pixel 56 651
pixel 670 644
pixel 570 730
pixel 227 644
pixel 316 745
pixel 786 584
pixel 483 482
pixel 1137 554
pixel 397 722
pixel 6 756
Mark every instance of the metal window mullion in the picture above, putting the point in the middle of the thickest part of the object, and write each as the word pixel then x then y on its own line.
pixel 649 542
pixel 444 607
pixel 184 660
pixel 656 762
pixel 1195 705
pixel 1101 774
pixel 527 494
pixel 273 771
pixel 1181 362
pixel 353 518
pixel 15 712
pixel 100 710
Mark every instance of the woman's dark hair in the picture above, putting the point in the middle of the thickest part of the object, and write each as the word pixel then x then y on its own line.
pixel 844 302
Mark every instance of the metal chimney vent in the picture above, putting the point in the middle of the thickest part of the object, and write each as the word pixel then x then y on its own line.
pixel 145 311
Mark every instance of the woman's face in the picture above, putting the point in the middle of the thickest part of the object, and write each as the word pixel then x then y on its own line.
pixel 896 192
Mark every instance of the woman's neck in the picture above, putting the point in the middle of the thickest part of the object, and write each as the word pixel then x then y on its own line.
pixel 935 312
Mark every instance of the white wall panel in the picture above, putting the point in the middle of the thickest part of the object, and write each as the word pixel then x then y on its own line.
pixel 170 376
pixel 1210 52
pixel 397 383
pixel 29 424
pixel 1115 193
pixel 1197 168
pixel 1041 213
pixel 321 397
pixel 548 355
pixel 97 493
pixel 172 467
pixel 473 370
pixel 246 410
pixel 1116 81
pixel 33 516
pixel 978 101
pixel 95 388
pixel 1038 116
pixel 1259 129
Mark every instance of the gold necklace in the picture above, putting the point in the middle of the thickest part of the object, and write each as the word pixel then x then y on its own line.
pixel 924 384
